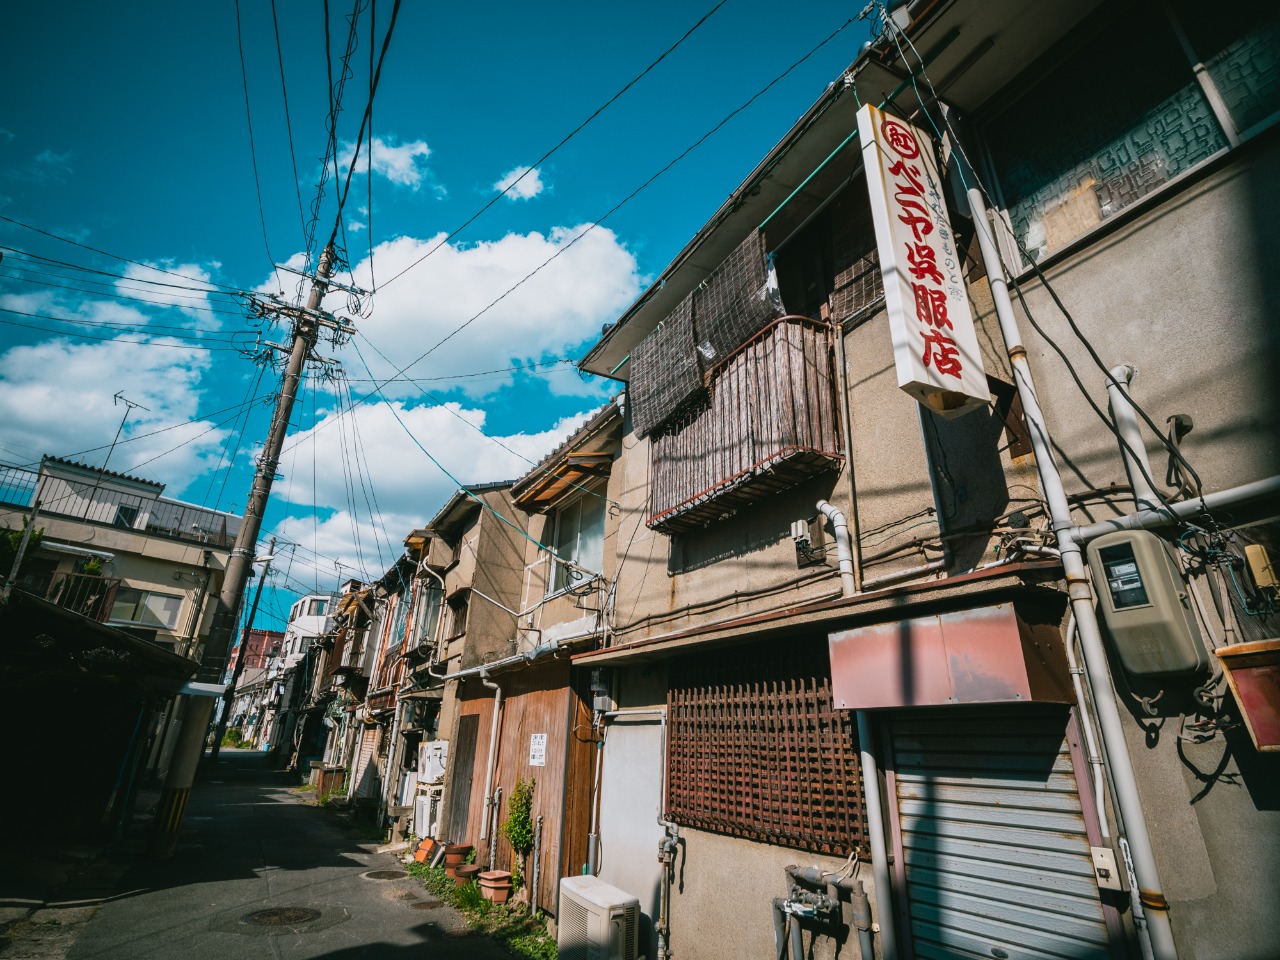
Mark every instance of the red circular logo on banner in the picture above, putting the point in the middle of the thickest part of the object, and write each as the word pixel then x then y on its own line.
pixel 900 139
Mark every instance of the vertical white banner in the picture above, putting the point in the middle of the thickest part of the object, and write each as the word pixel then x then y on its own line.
pixel 935 348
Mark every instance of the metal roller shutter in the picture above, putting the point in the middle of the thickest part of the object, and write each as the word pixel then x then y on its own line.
pixel 364 775
pixel 994 848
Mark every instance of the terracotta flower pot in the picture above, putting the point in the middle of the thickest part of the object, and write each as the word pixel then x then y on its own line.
pixel 496 885
pixel 464 873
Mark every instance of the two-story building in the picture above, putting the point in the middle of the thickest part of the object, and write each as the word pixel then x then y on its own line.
pixel 908 588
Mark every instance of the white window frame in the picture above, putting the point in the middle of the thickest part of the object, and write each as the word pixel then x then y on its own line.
pixel 557 562
pixel 141 604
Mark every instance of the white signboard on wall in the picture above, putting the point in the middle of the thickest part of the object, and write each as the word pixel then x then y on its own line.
pixel 538 750
pixel 935 348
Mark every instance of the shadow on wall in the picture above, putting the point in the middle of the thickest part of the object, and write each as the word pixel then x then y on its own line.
pixel 750 530
pixel 969 478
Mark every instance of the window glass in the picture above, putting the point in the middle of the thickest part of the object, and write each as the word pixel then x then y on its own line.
pixel 125 605
pixel 153 609
pixel 317 608
pixel 1110 124
pixel 161 609
pixel 126 516
pixel 428 612
pixel 1240 51
pixel 579 538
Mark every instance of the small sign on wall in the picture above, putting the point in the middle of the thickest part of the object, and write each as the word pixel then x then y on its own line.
pixel 935 348
pixel 538 750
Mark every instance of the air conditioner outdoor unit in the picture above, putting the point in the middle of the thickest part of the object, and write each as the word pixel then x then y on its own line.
pixel 597 921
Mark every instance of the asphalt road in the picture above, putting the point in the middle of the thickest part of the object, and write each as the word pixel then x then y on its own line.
pixel 259 873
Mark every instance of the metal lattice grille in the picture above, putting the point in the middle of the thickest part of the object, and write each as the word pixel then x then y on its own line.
pixel 756 750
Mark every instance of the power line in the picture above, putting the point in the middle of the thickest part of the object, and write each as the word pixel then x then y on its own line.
pixel 624 201
pixel 38 258
pixel 1174 451
pixel 288 122
pixel 253 151
pixel 113 256
pixel 113 339
pixel 251 398
pixel 569 136
pixel 127 326
pixel 114 295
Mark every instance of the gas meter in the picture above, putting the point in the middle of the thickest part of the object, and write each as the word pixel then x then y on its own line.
pixel 1144 602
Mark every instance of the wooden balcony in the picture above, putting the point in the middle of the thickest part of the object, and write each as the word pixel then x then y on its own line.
pixel 769 423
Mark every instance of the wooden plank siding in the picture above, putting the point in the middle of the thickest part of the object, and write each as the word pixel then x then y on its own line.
pixel 769 422
pixel 537 699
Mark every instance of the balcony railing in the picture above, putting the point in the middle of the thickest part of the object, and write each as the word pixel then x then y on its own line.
pixel 87 594
pixel 85 501
pixel 769 423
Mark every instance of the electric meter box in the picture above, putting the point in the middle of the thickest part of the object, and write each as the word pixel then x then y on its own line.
pixel 1144 603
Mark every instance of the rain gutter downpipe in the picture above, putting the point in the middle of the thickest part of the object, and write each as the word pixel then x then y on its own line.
pixel 1123 779
pixel 844 550
pixel 846 424
pixel 493 751
pixel 876 838
pixel 1132 449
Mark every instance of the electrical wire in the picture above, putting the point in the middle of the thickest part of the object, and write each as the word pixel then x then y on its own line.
pixel 564 140
pixel 125 326
pixel 614 209
pixel 288 121
pixel 113 339
pixel 253 151
pixel 113 256
pixel 1084 341
pixel 114 295
pixel 138 466
pixel 251 399
pixel 439 401
pixel 39 258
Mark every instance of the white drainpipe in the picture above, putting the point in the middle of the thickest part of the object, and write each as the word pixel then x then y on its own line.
pixel 1123 779
pixel 844 549
pixel 493 752
pixel 1132 450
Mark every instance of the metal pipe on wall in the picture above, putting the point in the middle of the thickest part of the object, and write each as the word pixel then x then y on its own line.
pixel 876 838
pixel 493 752
pixel 844 550
pixel 846 429
pixel 1261 490
pixel 1123 779
pixel 1132 449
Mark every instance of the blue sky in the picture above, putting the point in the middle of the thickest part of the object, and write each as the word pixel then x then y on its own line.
pixel 124 128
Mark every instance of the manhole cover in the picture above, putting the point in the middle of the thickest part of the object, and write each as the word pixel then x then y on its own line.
pixel 426 905
pixel 281 916
pixel 387 874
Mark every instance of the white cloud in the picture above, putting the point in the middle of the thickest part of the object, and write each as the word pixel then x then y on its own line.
pixel 401 163
pixel 56 397
pixel 407 488
pixel 157 282
pixel 521 183
pixel 551 309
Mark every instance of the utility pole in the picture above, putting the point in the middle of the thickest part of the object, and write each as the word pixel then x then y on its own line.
pixel 229 693
pixel 195 723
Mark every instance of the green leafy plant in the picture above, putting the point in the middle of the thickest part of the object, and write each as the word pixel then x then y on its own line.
pixel 524 935
pixel 91 565
pixel 10 541
pixel 518 827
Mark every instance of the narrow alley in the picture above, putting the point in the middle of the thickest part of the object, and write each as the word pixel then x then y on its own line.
pixel 260 872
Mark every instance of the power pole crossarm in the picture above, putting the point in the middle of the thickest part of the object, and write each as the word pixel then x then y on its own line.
pixel 195 723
